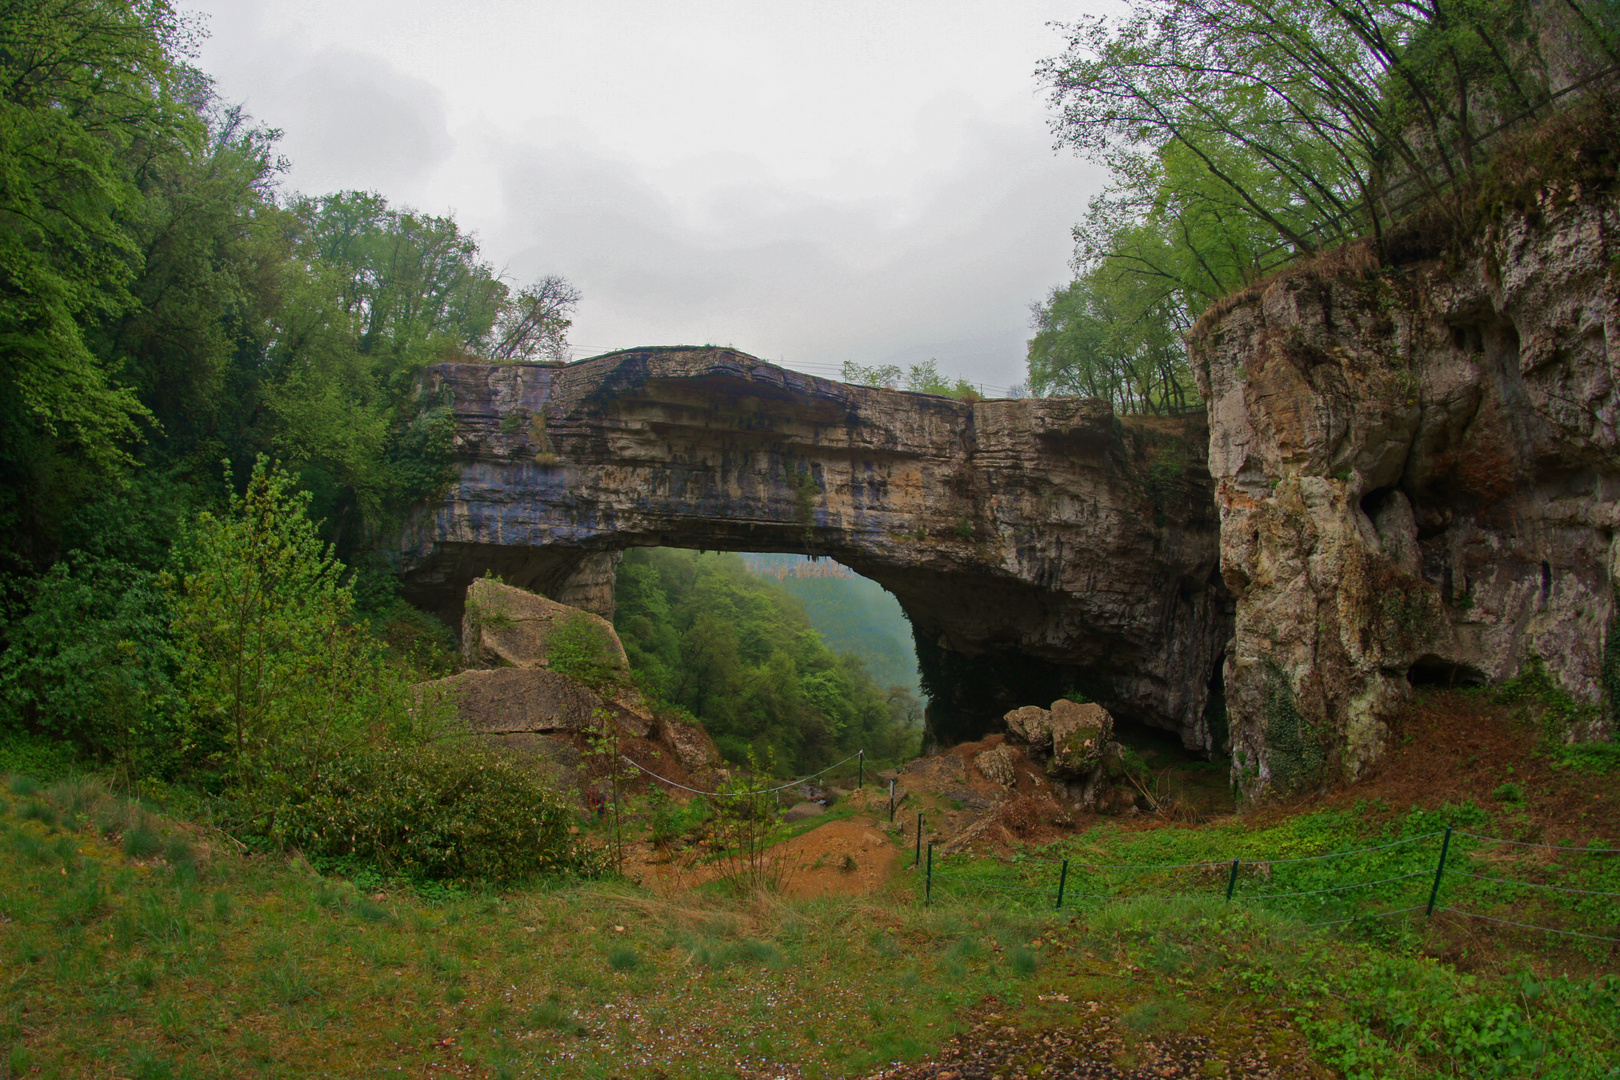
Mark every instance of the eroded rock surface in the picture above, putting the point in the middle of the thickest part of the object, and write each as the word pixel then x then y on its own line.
pixel 1036 545
pixel 1418 477
pixel 505 626
pixel 516 703
pixel 1073 744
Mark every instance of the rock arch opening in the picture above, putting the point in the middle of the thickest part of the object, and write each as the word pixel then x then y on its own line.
pixel 1036 546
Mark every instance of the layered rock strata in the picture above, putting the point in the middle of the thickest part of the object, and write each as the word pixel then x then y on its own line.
pixel 1037 545
pixel 1418 478
pixel 510 698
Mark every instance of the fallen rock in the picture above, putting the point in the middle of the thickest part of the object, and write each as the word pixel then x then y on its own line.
pixel 690 743
pixel 505 626
pixel 508 700
pixel 940 768
pixel 1080 733
pixel 998 765
pixel 1031 725
pixel 631 713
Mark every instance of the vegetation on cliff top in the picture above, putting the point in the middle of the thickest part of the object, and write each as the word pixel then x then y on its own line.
pixel 1241 136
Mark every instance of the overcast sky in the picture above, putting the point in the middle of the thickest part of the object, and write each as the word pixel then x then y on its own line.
pixel 811 182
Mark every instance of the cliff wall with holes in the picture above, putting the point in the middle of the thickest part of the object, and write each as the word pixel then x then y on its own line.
pixel 1417 472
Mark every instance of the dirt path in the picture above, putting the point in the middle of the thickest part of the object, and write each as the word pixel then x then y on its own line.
pixel 848 857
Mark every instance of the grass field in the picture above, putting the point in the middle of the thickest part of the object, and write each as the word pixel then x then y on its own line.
pixel 136 945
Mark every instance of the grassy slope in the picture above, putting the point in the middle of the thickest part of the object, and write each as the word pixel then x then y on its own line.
pixel 135 946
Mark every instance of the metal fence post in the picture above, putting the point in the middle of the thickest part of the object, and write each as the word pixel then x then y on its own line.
pixel 891 800
pixel 1445 845
pixel 860 770
pixel 928 880
pixel 918 857
pixel 1063 879
pixel 1231 882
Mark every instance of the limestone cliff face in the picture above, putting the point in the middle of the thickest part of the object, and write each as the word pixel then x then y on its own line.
pixel 1035 544
pixel 1418 478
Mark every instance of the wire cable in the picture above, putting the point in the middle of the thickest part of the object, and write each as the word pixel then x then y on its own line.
pixel 1550 847
pixel 1370 915
pixel 1147 866
pixel 1336 888
pixel 1533 885
pixel 999 888
pixel 1356 851
pixel 739 794
pixel 1525 925
pixel 1009 861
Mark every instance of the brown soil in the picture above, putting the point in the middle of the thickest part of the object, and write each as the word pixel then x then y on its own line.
pixel 1092 1043
pixel 1455 746
pixel 855 856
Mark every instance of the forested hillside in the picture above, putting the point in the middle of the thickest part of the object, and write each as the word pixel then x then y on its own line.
pixel 166 305
pixel 853 614
pixel 740 653
pixel 208 408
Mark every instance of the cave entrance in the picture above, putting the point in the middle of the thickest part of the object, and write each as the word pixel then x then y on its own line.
pixel 783 656
pixel 1435 671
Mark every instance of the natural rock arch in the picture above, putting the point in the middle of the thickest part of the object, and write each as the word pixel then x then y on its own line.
pixel 1037 545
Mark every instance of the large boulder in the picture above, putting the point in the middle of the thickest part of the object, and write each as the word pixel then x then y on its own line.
pixel 511 700
pixel 503 626
pixel 1080 734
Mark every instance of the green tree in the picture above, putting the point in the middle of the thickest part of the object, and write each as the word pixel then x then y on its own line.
pixel 923 378
pixel 373 295
pixel 277 675
pixel 90 92
pixel 213 260
pixel 1115 335
pixel 1304 122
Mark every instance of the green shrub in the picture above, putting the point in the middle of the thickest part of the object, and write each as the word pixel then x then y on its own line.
pixel 581 649
pixel 1598 758
pixel 1510 793
pixel 437 811
pixel 29 756
pixel 1535 687
pixel 88 661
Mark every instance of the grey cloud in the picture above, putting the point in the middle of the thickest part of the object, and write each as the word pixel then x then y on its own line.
pixel 349 120
pixel 949 276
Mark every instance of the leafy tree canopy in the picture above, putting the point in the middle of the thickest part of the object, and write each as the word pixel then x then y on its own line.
pixel 1241 134
pixel 923 378
pixel 704 634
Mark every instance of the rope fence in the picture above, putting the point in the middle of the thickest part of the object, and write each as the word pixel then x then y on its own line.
pixel 1028 867
pixel 739 794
